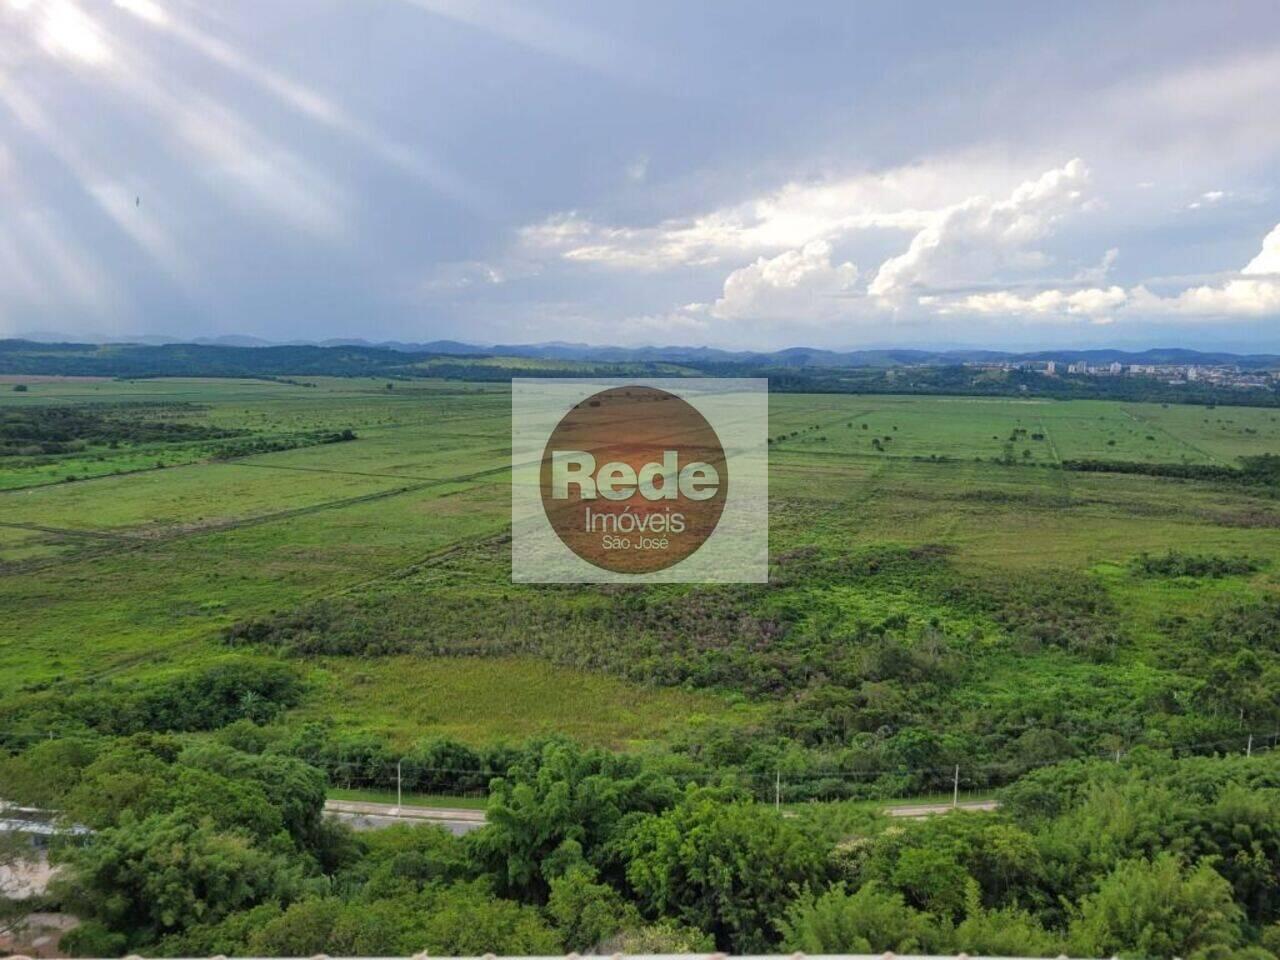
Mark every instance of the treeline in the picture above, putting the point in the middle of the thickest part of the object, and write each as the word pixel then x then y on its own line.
pixel 249 446
pixel 37 431
pixel 1177 564
pixel 1261 469
pixel 204 698
pixel 197 360
pixel 204 848
pixel 44 430
pixel 282 363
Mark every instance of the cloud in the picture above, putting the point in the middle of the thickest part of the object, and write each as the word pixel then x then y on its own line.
pixel 1101 271
pixel 954 237
pixel 1235 298
pixel 461 274
pixel 978 237
pixel 1268 260
pixel 1254 292
pixel 1208 199
pixel 572 237
pixel 905 198
pixel 1093 302
pixel 800 285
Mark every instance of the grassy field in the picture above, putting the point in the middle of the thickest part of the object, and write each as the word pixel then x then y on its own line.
pixel 137 572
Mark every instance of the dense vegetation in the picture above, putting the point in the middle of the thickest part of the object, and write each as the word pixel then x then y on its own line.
pixel 1176 564
pixel 1263 469
pixel 204 848
pixel 34 430
pixel 888 700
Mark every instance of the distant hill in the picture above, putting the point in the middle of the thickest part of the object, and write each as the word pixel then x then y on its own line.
pixel 249 356
pixel 790 357
pixel 797 369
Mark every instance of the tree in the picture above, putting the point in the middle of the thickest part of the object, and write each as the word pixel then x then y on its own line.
pixel 563 793
pixel 404 859
pixel 587 912
pixel 461 920
pixel 721 865
pixel 870 920
pixel 159 875
pixel 1157 908
pixel 933 880
pixel 294 788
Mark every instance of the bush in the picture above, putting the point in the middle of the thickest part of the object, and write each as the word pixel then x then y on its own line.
pixel 587 912
pixel 92 939
pixel 462 920
pixel 1157 908
pixel 165 873
pixel 871 920
pixel 1174 564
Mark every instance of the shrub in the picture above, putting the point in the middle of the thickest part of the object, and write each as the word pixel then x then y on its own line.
pixel 1157 908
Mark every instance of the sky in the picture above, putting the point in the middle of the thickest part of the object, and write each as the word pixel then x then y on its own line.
pixel 735 174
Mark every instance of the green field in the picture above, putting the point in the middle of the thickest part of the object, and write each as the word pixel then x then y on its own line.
pixel 127 576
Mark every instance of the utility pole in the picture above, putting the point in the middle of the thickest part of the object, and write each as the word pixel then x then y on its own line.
pixel 955 789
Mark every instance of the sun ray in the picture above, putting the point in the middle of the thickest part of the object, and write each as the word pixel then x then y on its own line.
pixel 312 105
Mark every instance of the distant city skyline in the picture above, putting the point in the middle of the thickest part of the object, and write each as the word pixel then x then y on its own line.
pixel 743 176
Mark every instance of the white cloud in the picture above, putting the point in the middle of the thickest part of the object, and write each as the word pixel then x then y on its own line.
pixel 1268 260
pixel 905 198
pixel 1094 302
pixel 796 285
pixel 1208 199
pixel 1234 298
pixel 970 237
pixel 1255 292
pixel 979 237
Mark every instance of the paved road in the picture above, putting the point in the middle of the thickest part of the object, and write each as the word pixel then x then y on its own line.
pixel 917 810
pixel 370 816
